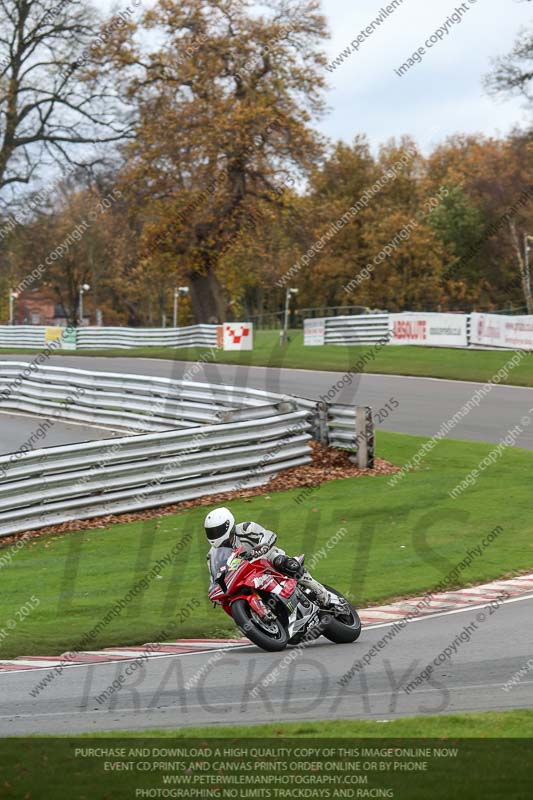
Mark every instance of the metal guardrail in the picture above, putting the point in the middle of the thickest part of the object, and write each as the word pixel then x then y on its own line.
pixel 55 485
pixel 30 336
pixel 373 328
pixel 191 336
pixel 125 401
pixel 352 427
pixel 357 329
pixel 203 439
pixel 33 336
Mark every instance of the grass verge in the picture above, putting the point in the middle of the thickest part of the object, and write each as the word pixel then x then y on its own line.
pixel 454 364
pixel 487 725
pixel 391 541
pixel 420 758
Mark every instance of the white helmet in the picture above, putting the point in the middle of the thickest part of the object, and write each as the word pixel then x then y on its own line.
pixel 219 526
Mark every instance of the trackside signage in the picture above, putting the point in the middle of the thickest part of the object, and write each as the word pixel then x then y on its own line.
pixel 238 336
pixel 64 337
pixel 435 330
pixel 314 331
pixel 498 330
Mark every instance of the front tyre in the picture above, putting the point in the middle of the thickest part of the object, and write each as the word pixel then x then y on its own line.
pixel 268 635
pixel 342 629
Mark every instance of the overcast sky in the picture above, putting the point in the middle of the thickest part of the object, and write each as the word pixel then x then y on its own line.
pixel 439 96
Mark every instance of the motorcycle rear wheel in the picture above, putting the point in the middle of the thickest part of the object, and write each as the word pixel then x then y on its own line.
pixel 254 629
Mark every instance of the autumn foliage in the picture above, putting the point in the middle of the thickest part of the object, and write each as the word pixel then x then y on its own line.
pixel 226 186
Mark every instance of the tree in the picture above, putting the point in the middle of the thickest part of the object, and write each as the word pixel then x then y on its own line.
pixel 225 105
pixel 75 239
pixel 459 225
pixel 379 255
pixel 513 74
pixel 49 98
pixel 495 178
pixel 334 188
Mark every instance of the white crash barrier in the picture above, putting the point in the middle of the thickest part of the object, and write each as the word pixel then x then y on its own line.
pixel 357 329
pixel 59 484
pixel 125 401
pixel 426 329
pixel 185 439
pixel 229 336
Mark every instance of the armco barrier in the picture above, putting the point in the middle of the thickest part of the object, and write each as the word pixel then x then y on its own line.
pixel 206 438
pixel 228 336
pixel 58 484
pixel 22 336
pixel 359 329
pixel 346 422
pixel 426 329
pixel 192 336
pixel 35 336
pixel 410 328
pixel 124 401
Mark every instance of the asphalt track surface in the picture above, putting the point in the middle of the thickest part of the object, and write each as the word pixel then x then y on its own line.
pixel 307 688
pixel 17 430
pixel 424 403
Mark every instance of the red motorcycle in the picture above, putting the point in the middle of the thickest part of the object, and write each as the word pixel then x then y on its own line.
pixel 270 608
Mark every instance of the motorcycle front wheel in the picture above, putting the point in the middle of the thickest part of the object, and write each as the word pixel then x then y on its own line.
pixel 269 635
pixel 343 629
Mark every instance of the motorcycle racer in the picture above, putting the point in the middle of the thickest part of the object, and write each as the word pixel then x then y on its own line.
pixel 222 531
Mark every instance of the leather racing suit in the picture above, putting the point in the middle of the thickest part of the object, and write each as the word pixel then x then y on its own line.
pixel 251 536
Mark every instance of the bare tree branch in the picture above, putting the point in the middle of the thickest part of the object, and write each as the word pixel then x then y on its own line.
pixel 513 74
pixel 50 102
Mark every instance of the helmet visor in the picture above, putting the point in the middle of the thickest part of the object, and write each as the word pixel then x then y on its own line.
pixel 216 532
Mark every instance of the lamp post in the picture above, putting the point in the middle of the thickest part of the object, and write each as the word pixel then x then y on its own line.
pixel 288 293
pixel 13 295
pixel 179 291
pixel 527 238
pixel 83 288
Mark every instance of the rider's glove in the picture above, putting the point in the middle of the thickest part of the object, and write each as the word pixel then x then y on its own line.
pixel 257 552
pixel 289 566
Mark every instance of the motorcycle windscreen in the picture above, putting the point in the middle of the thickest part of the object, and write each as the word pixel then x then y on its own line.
pixel 218 558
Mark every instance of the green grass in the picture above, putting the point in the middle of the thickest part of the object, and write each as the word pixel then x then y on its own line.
pixel 472 365
pixel 210 761
pixel 487 725
pixel 400 541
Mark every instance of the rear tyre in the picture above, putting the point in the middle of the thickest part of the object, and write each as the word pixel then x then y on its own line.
pixel 270 636
pixel 343 629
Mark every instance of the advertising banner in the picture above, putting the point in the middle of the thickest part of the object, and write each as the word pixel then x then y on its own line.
pixel 238 336
pixel 498 330
pixel 65 337
pixel 433 330
pixel 314 331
